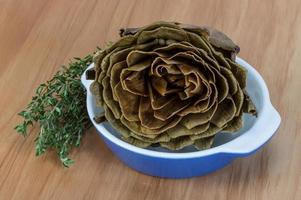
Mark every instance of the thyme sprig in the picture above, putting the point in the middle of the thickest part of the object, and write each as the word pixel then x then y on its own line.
pixel 59 107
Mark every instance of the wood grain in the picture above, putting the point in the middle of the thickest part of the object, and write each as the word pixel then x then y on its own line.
pixel 37 36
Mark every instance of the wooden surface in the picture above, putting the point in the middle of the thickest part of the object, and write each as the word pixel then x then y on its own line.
pixel 36 36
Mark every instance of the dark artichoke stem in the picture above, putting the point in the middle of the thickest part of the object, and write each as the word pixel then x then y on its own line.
pixel 90 74
pixel 128 31
pixel 100 118
pixel 248 105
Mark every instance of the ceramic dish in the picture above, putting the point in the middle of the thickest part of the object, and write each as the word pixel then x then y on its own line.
pixel 189 162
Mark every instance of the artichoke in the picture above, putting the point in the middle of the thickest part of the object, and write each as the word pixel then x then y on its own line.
pixel 172 85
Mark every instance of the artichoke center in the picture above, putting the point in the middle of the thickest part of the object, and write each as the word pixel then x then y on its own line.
pixel 174 78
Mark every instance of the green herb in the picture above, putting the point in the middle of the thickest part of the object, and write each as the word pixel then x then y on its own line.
pixel 59 107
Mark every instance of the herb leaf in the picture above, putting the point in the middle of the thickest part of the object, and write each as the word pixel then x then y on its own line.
pixel 59 107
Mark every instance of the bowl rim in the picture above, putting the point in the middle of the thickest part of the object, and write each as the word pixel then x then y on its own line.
pixel 264 127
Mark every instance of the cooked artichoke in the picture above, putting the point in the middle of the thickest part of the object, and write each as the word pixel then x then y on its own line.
pixel 171 84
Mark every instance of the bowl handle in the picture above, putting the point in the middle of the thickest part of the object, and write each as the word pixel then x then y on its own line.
pixel 268 122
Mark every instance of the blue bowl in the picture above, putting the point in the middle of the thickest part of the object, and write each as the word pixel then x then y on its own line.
pixel 188 162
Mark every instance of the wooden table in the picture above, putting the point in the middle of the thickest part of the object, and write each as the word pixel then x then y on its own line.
pixel 37 36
